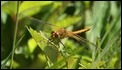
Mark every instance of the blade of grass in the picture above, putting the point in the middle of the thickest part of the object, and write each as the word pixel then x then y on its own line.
pixel 107 47
pixel 111 37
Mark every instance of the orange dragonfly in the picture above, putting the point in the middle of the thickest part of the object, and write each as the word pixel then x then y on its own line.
pixel 60 33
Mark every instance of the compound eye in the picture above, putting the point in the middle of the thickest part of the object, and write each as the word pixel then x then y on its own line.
pixel 56 35
pixel 52 32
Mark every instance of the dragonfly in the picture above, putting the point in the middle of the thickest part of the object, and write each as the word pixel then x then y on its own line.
pixel 57 32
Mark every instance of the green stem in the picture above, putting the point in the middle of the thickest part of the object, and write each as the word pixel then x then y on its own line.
pixel 15 34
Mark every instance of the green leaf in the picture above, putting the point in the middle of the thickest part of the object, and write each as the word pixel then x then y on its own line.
pixel 68 21
pixel 9 7
pixel 38 38
pixel 32 45
pixel 49 48
pixel 32 7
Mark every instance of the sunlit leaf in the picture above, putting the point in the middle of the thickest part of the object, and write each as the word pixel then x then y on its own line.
pixel 10 7
pixel 32 45
pixel 32 7
pixel 38 38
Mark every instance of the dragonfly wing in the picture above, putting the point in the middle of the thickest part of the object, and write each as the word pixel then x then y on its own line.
pixel 39 25
pixel 82 40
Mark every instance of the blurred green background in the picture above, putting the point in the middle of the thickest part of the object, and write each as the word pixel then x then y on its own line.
pixel 33 51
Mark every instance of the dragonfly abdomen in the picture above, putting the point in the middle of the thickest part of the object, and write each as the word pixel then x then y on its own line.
pixel 81 31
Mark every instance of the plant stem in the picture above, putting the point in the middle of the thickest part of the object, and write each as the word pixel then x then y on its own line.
pixel 15 34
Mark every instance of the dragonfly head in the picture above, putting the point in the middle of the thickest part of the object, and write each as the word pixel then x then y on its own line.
pixel 55 34
pixel 60 34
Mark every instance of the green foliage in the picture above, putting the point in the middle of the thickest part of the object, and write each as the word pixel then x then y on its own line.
pixel 37 50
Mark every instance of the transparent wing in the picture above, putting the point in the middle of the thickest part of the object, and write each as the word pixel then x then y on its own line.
pixel 36 24
pixel 82 40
